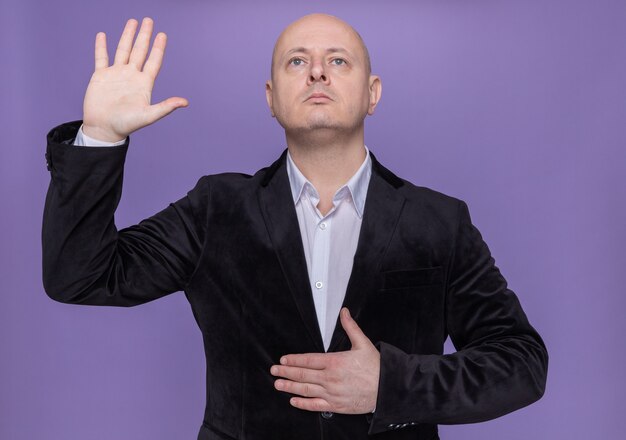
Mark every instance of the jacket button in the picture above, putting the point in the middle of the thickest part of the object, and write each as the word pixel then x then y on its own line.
pixel 327 414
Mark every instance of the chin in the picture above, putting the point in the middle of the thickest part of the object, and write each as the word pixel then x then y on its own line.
pixel 321 120
pixel 315 124
pixel 322 125
pixel 318 120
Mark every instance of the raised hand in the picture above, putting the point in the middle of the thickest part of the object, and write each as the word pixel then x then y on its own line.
pixel 117 101
pixel 345 382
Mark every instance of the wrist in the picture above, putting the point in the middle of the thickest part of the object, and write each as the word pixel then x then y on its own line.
pixel 101 134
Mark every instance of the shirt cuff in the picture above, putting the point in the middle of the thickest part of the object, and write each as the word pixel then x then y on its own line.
pixel 82 140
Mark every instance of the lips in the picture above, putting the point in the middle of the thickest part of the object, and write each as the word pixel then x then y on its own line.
pixel 318 95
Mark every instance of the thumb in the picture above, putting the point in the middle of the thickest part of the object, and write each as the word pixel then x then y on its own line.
pixel 164 108
pixel 357 337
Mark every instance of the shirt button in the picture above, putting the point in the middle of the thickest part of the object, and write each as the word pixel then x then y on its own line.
pixel 319 285
pixel 327 414
pixel 322 225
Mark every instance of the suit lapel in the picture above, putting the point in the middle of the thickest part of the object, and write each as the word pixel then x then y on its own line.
pixel 383 205
pixel 281 221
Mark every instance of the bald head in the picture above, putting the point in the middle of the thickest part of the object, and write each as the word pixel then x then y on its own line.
pixel 321 80
pixel 312 24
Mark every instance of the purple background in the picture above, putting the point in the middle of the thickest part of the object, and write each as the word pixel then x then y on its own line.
pixel 517 107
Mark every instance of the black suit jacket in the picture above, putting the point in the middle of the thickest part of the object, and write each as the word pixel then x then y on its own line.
pixel 421 272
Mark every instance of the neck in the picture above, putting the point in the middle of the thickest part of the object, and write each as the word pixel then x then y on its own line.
pixel 328 159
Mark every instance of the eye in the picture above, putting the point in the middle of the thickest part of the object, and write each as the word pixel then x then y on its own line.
pixel 338 61
pixel 296 61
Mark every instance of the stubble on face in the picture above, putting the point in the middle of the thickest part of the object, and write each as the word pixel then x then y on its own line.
pixel 347 107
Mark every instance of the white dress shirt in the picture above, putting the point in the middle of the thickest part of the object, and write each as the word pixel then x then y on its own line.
pixel 329 240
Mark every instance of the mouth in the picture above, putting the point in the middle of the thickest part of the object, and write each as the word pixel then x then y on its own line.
pixel 318 96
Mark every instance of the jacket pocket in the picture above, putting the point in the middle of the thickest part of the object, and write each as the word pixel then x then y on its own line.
pixel 411 278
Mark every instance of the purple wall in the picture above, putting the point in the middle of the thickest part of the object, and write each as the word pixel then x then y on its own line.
pixel 519 108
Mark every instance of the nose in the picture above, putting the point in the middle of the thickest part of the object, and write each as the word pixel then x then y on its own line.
pixel 317 72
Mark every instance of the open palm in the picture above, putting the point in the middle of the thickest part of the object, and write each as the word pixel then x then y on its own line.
pixel 117 101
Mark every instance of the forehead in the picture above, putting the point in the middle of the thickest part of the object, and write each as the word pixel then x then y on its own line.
pixel 317 34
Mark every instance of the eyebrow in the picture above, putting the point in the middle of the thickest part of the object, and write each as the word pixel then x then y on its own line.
pixel 305 50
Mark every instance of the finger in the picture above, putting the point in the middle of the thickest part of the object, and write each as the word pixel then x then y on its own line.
pixel 316 361
pixel 314 404
pixel 357 337
pixel 164 108
pixel 101 55
pixel 298 374
pixel 153 65
pixel 126 42
pixel 301 389
pixel 140 49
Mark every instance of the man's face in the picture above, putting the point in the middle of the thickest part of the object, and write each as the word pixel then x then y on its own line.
pixel 320 77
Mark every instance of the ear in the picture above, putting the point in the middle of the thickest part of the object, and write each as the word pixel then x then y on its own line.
pixel 268 96
pixel 376 89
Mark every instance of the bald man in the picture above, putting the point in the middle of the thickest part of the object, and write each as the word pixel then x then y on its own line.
pixel 324 285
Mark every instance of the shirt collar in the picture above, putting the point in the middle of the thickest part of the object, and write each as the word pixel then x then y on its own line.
pixel 357 185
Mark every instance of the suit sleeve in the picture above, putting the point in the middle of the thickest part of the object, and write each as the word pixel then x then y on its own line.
pixel 86 260
pixel 501 361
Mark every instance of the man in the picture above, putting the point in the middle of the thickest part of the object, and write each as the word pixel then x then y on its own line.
pixel 268 261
